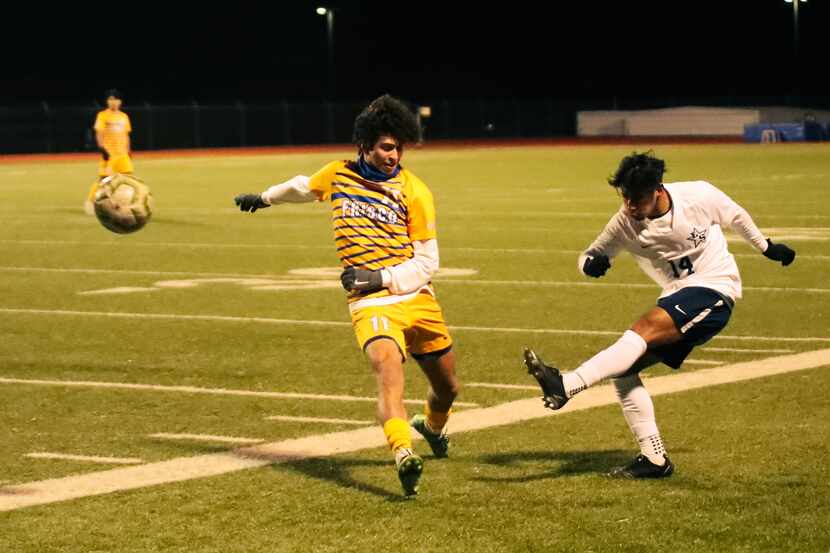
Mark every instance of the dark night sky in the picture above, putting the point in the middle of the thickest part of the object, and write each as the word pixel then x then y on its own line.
pixel 425 50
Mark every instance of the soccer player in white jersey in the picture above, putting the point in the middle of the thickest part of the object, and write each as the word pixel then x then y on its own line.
pixel 674 231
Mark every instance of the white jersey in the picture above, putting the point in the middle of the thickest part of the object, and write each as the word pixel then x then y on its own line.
pixel 686 246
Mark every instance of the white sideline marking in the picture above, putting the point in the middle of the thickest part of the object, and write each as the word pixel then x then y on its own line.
pixel 267 320
pixel 319 419
pixel 701 362
pixel 748 350
pixel 205 438
pixel 198 390
pixel 85 458
pixel 187 468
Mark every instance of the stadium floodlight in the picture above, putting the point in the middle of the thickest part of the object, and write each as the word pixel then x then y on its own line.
pixel 329 15
pixel 795 4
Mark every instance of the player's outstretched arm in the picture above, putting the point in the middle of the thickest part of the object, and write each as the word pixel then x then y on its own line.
pixel 779 252
pixel 294 190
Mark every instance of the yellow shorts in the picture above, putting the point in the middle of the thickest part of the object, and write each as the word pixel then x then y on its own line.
pixel 416 325
pixel 115 164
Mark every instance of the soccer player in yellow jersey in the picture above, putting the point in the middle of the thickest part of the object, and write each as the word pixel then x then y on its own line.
pixel 384 232
pixel 112 134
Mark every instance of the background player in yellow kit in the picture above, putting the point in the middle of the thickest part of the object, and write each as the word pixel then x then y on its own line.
pixel 112 134
pixel 384 231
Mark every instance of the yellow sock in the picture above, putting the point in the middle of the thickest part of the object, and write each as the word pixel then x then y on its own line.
pixel 436 420
pixel 397 434
pixel 92 190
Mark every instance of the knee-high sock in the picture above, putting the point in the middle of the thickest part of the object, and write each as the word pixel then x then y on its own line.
pixel 638 410
pixel 397 434
pixel 612 361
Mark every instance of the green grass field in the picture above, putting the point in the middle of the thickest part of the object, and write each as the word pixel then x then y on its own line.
pixel 219 304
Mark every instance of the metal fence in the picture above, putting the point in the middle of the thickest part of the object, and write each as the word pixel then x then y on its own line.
pixel 48 128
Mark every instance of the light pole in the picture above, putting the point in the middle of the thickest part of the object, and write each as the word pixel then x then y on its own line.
pixel 795 26
pixel 329 14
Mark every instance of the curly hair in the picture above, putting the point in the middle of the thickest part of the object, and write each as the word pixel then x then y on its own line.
pixel 638 174
pixel 385 116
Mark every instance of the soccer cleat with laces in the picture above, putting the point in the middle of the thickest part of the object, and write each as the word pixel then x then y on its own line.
pixel 410 466
pixel 438 441
pixel 642 467
pixel 549 378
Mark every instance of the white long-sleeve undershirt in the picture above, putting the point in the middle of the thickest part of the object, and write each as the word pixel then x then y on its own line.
pixel 294 190
pixel 415 273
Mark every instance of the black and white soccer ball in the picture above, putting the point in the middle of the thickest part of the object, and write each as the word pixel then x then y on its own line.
pixel 123 203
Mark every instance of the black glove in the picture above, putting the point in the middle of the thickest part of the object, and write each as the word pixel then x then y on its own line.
pixel 250 202
pixel 104 154
pixel 361 280
pixel 779 252
pixel 596 266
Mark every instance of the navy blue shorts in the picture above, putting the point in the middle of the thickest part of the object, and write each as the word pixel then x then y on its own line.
pixel 699 314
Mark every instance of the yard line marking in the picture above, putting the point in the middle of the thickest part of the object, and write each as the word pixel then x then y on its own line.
pixel 85 458
pixel 119 290
pixel 197 245
pixel 323 445
pixel 267 320
pixel 205 438
pixel 500 386
pixel 701 362
pixel 443 280
pixel 748 350
pixel 319 419
pixel 198 390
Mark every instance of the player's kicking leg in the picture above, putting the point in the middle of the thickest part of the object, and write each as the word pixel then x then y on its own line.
pixel 654 329
pixel 385 356
pixel 439 368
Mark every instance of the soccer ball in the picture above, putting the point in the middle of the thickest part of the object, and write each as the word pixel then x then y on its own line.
pixel 123 203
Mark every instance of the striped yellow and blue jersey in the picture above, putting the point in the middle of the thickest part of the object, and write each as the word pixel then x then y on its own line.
pixel 374 223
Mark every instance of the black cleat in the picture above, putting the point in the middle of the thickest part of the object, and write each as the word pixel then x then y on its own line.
pixel 549 378
pixel 641 467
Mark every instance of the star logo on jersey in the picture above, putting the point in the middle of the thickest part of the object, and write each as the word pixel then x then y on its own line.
pixel 697 237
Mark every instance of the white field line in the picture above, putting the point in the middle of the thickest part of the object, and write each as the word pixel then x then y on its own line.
pixel 443 280
pixel 747 350
pixel 569 283
pixel 85 458
pixel 702 362
pixel 187 468
pixel 205 438
pixel 500 386
pixel 229 245
pixel 198 390
pixel 324 420
pixel 312 322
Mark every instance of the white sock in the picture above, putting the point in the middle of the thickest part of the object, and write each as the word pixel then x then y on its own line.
pixel 613 361
pixel 638 410
pixel 573 383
